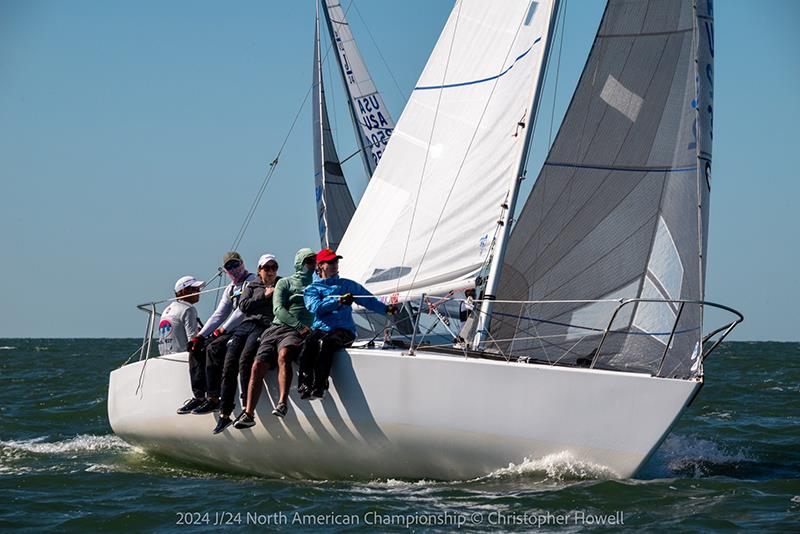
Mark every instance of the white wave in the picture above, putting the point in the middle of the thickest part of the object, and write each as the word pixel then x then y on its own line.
pixel 558 466
pixel 80 443
pixel 392 483
pixel 7 348
pixel 690 453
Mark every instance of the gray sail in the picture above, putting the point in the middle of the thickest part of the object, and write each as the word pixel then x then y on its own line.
pixel 620 207
pixel 335 206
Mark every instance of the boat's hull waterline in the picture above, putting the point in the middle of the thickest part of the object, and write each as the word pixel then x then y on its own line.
pixel 391 415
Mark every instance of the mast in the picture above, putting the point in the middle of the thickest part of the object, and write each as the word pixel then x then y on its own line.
pixel 495 268
pixel 320 94
pixel 335 206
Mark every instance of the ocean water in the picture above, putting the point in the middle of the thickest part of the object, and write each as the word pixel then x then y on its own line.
pixel 732 462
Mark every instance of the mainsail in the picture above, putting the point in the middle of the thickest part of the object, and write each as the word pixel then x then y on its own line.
pixel 335 204
pixel 620 208
pixel 371 120
pixel 430 212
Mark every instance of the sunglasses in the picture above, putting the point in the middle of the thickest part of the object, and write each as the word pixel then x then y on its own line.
pixel 232 264
pixel 269 267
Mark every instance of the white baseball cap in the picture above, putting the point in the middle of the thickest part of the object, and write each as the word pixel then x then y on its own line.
pixel 264 259
pixel 187 281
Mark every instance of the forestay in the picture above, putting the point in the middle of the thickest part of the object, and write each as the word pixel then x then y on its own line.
pixel 430 212
pixel 620 208
pixel 335 204
pixel 371 118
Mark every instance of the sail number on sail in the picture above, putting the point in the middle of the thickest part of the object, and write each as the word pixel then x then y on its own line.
pixel 375 126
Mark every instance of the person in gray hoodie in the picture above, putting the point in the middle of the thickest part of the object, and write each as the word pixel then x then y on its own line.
pixel 281 342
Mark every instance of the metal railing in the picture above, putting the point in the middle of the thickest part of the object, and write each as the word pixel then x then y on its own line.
pixel 677 307
pixel 725 329
pixel 417 341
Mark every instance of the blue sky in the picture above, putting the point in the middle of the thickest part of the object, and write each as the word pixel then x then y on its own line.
pixel 133 136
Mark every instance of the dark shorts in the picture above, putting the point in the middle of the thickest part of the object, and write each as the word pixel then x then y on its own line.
pixel 275 338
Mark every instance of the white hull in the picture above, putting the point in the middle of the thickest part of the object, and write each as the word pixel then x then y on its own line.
pixel 428 416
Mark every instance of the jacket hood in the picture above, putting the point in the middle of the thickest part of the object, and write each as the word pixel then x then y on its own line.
pixel 302 254
pixel 303 276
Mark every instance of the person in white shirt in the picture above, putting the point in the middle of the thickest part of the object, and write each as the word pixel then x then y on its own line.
pixel 179 320
pixel 206 365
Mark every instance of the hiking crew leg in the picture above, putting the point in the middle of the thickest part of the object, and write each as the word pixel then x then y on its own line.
pixel 246 360
pixel 197 372
pixel 266 357
pixel 285 356
pixel 230 369
pixel 215 359
pixel 331 343
pixel 308 358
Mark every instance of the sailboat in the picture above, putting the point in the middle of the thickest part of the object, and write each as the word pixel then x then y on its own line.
pixel 588 338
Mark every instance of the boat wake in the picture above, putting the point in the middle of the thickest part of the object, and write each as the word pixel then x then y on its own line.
pixel 695 457
pixel 78 444
pixel 559 467
pixel 19 457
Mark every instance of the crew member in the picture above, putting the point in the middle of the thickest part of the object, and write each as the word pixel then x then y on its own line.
pixel 256 304
pixel 282 340
pixel 330 299
pixel 179 320
pixel 206 366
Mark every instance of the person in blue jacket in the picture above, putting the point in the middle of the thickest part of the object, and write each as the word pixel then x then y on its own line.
pixel 330 299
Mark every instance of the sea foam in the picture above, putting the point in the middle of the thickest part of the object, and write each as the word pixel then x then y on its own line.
pixel 80 443
pixel 558 466
pixel 697 456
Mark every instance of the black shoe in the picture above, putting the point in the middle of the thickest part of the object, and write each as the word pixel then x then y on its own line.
pixel 318 393
pixel 280 410
pixel 190 405
pixel 222 424
pixel 244 420
pixel 304 391
pixel 208 406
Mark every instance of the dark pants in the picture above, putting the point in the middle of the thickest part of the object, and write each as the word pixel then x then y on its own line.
pixel 215 360
pixel 239 358
pixel 316 357
pixel 197 372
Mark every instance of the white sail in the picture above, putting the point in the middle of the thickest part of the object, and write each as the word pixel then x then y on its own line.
pixel 429 215
pixel 371 119
pixel 335 205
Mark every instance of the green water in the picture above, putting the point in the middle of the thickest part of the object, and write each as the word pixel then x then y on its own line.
pixel 732 462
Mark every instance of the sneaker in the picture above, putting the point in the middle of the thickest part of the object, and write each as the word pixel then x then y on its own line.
pixel 304 391
pixel 280 410
pixel 245 420
pixel 318 393
pixel 190 405
pixel 222 424
pixel 208 406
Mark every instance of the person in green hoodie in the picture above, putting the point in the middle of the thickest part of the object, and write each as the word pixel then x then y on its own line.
pixel 281 342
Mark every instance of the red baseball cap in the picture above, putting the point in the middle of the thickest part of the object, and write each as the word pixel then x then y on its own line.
pixel 326 254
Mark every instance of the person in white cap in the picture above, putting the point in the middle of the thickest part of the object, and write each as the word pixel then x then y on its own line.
pixel 216 334
pixel 179 320
pixel 256 305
